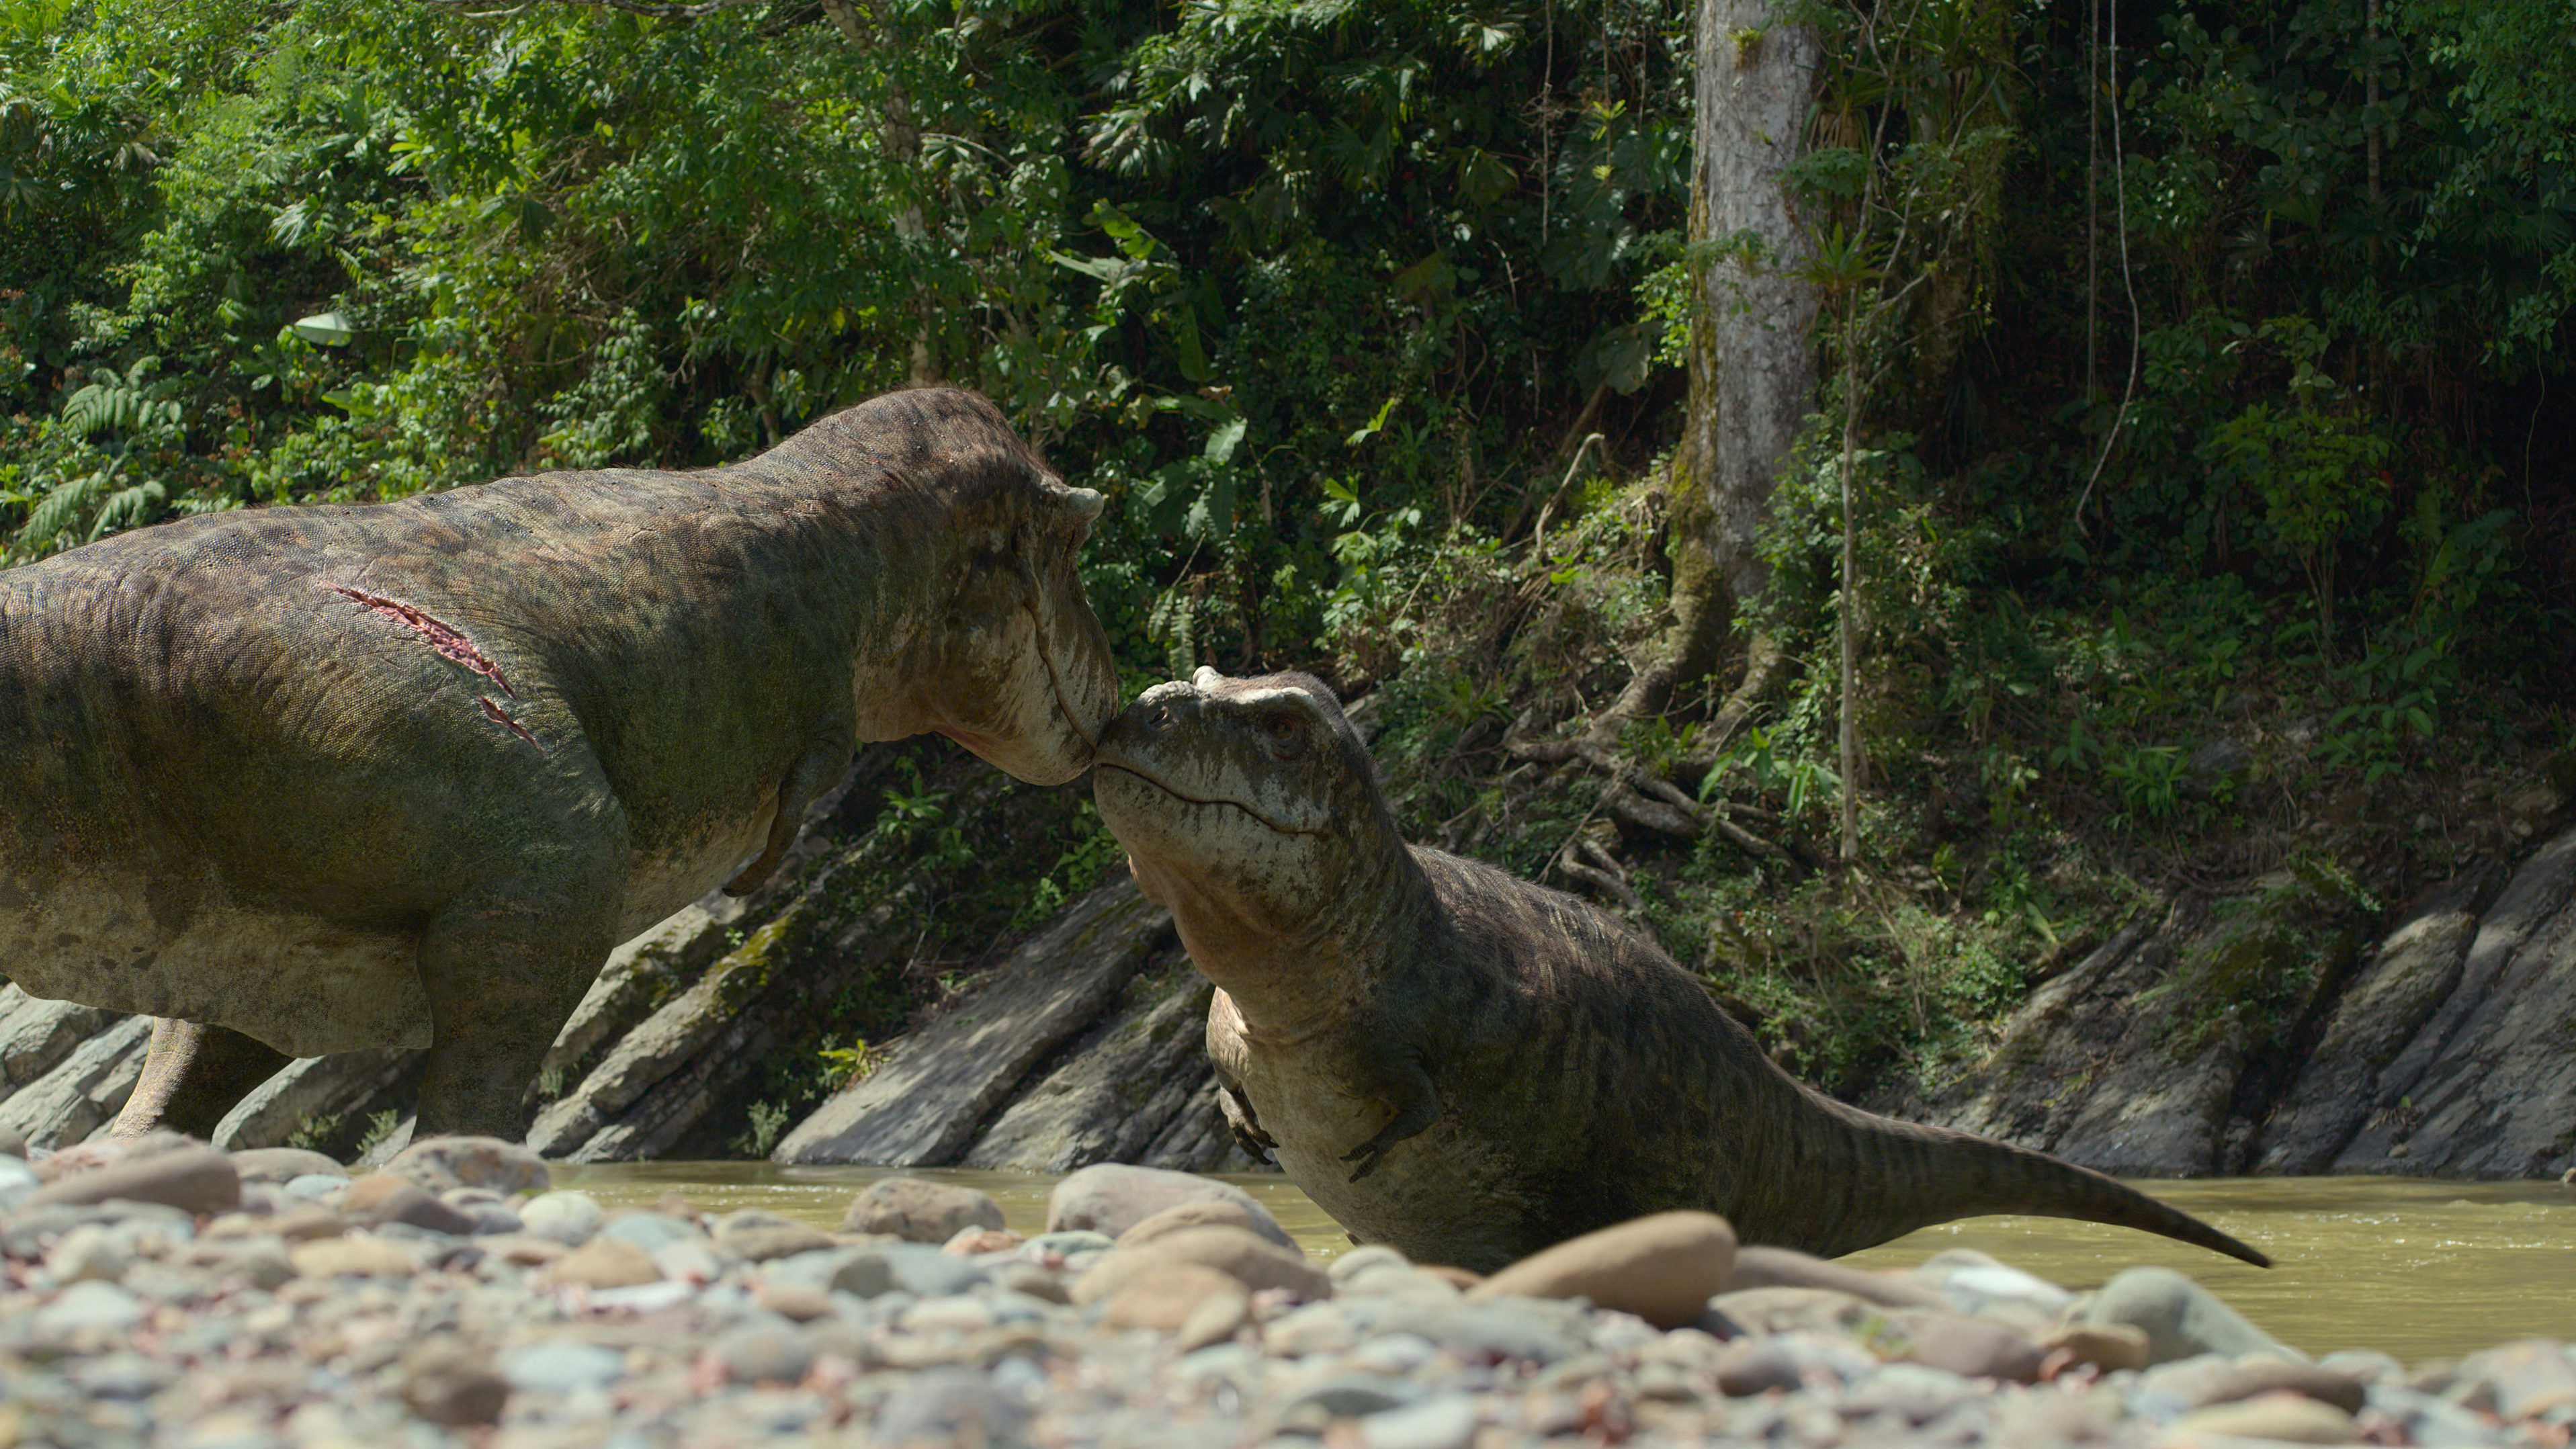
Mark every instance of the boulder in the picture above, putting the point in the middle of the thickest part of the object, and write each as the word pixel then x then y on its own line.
pixel 193 1179
pixel 442 1164
pixel 1111 1197
pixel 2486 1087
pixel 918 1211
pixel 327 1099
pixel 1135 1088
pixel 944 1081
pixel 2336 1090
pixel 81 1093
pixel 2179 1317
pixel 1663 1268
pixel 37 1033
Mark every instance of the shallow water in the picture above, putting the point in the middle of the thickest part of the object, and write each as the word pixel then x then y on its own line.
pixel 2419 1269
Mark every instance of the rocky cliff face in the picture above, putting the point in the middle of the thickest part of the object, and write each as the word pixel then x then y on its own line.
pixel 2266 1035
pixel 2298 1028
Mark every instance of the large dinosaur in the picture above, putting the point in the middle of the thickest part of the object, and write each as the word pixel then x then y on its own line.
pixel 1469 1067
pixel 305 780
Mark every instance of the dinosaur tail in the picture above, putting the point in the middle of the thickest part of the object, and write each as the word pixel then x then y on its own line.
pixel 1861 1179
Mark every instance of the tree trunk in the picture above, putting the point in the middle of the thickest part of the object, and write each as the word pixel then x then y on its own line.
pixel 1752 364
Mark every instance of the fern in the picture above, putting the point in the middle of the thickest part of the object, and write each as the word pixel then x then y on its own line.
pixel 110 403
pixel 128 508
pixel 60 508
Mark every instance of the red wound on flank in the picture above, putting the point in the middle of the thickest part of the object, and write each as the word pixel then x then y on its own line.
pixel 513 726
pixel 443 638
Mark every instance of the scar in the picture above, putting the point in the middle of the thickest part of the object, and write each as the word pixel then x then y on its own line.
pixel 441 636
pixel 504 720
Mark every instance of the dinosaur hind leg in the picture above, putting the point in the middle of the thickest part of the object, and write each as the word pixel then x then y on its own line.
pixel 192 1076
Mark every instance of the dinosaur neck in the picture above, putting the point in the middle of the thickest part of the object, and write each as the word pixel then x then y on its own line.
pixel 1292 980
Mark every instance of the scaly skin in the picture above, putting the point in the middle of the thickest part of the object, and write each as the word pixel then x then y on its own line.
pixel 1469 1067
pixel 401 774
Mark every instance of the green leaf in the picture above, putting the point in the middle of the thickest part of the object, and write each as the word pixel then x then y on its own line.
pixel 326 329
pixel 1227 437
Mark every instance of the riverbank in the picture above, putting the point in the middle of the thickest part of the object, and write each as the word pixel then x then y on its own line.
pixel 266 1299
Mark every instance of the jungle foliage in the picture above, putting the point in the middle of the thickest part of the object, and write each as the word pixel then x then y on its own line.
pixel 2193 367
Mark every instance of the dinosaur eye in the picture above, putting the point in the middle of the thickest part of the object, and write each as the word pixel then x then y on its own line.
pixel 1285 734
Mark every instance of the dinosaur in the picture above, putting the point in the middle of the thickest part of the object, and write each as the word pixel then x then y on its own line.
pixel 1468 1067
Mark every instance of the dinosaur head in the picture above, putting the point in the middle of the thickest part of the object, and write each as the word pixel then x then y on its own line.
pixel 1249 807
pixel 1009 660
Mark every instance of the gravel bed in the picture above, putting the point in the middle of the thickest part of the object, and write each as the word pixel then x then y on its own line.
pixel 169 1295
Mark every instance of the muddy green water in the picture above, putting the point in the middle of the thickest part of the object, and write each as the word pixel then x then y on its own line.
pixel 2418 1269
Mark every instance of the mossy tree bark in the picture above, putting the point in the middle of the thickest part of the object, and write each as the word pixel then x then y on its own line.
pixel 1752 365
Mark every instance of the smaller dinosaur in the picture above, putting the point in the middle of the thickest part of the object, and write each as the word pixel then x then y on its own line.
pixel 1468 1067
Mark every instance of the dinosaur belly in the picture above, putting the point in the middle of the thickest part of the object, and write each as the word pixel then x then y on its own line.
pixel 304 985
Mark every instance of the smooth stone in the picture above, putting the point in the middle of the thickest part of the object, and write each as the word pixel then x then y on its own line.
pixel 763 1353
pixel 18 1182
pixel 453 1385
pixel 281 1165
pixel 2530 1377
pixel 1663 1267
pixel 2251 1376
pixel 907 1267
pixel 654 1297
pixel 1164 1295
pixel 92 1306
pixel 1760 1265
pixel 1111 1197
pixel 306 1221
pixel 1487 1332
pixel 920 1211
pixel 191 1178
pixel 1914 1391
pixel 1032 1280
pixel 562 1365
pixel 1347 1395
pixel 1972 1281
pixel 90 1251
pixel 317 1187
pixel 261 1262
pixel 1363 1259
pixel 1752 1366
pixel 492 1219
pixel 1066 1243
pixel 381 1198
pixel 1447 1422
pixel 2179 1317
pixel 2109 1347
pixel 796 1302
pixel 565 1215
pixel 1396 1280
pixel 604 1263
pixel 122 1375
pixel 978 1242
pixel 692 1260
pixel 1779 1310
pixel 2282 1416
pixel 1211 1212
pixel 951 1406
pixel 13 1143
pixel 1969 1347
pixel 355 1257
pixel 650 1230
pixel 1251 1260
pixel 760 1236
pixel 440 1163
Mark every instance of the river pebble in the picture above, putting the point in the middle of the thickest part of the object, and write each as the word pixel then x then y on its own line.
pixel 314 1326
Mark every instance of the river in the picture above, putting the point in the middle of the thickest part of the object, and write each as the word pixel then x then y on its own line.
pixel 2417 1268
